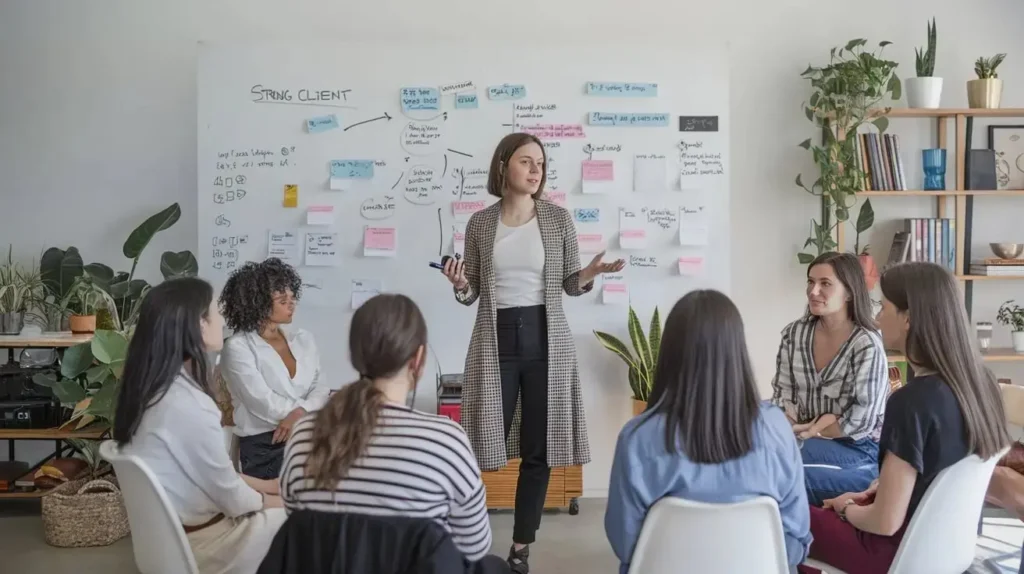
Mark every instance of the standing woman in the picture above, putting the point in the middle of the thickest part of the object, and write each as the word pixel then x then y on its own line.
pixel 272 372
pixel 832 379
pixel 521 388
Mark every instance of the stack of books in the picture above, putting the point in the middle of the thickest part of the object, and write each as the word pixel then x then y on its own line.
pixel 449 396
pixel 878 156
pixel 932 240
pixel 997 267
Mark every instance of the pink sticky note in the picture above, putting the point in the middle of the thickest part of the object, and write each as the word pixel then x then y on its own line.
pixel 320 215
pixel 464 209
pixel 459 240
pixel 379 241
pixel 691 266
pixel 556 197
pixel 598 170
pixel 590 242
pixel 634 233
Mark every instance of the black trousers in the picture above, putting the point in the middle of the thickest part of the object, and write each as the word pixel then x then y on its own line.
pixel 259 456
pixel 523 359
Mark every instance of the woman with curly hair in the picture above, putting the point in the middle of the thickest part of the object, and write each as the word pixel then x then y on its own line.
pixel 272 372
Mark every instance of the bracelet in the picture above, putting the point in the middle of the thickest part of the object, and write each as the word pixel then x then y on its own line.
pixel 842 511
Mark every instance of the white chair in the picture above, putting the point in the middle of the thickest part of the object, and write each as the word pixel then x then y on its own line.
pixel 158 538
pixel 942 536
pixel 684 536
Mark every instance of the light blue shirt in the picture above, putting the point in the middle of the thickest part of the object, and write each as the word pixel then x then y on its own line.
pixel 643 472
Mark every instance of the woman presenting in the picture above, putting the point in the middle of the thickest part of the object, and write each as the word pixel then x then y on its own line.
pixel 521 388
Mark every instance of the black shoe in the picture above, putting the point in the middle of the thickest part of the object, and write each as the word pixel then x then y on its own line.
pixel 518 560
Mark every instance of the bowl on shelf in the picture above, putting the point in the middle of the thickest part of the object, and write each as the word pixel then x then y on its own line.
pixel 1007 250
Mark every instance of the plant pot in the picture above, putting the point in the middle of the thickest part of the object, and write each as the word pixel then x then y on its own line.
pixel 82 324
pixel 985 93
pixel 11 323
pixel 639 407
pixel 1018 341
pixel 923 92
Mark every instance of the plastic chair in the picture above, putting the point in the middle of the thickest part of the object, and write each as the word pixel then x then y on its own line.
pixel 158 539
pixel 941 536
pixel 681 535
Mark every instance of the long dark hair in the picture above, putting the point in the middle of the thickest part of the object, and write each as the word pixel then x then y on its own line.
pixel 703 383
pixel 503 153
pixel 167 338
pixel 938 339
pixel 386 333
pixel 849 272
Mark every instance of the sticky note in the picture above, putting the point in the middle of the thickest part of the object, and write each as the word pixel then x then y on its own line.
pixel 283 244
pixel 615 290
pixel 557 197
pixel 693 234
pixel 691 266
pixel 420 99
pixel 628 119
pixel 380 242
pixel 701 165
pixel 632 232
pixel 321 249
pixel 622 89
pixel 554 131
pixel 650 173
pixel 598 175
pixel 320 215
pixel 365 289
pixel 352 168
pixel 463 210
pixel 457 87
pixel 291 195
pixel 322 124
pixel 459 239
pixel 340 184
pixel 587 214
pixel 466 101
pixel 591 242
pixel 693 210
pixel 506 92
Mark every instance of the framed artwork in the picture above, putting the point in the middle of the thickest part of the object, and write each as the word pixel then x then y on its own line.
pixel 1008 143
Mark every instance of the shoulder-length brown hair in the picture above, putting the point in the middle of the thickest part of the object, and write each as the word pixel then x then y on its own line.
pixel 938 339
pixel 849 272
pixel 503 153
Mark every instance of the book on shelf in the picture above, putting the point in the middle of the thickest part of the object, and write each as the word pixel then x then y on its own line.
pixel 998 267
pixel 927 239
pixel 879 157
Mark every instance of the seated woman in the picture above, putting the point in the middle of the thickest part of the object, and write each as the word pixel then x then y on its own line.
pixel 166 415
pixel 950 409
pixel 367 452
pixel 272 372
pixel 832 379
pixel 705 435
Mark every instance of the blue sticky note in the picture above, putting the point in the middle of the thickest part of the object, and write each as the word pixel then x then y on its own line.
pixel 628 119
pixel 587 214
pixel 506 92
pixel 622 89
pixel 352 168
pixel 466 101
pixel 322 124
pixel 420 99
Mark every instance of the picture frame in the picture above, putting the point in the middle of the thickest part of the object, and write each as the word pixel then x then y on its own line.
pixel 1008 143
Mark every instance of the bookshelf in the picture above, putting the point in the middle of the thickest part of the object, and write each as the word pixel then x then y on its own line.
pixel 961 198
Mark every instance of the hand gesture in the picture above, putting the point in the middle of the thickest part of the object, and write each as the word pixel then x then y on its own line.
pixel 284 428
pixel 455 271
pixel 597 267
pixel 844 500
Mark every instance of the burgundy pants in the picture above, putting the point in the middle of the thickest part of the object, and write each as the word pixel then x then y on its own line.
pixel 841 545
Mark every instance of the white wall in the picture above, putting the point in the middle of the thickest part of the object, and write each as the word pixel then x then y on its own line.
pixel 98 108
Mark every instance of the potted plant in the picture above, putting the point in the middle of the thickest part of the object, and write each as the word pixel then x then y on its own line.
pixel 1012 315
pixel 925 91
pixel 845 95
pixel 59 268
pixel 643 365
pixel 20 289
pixel 987 90
pixel 83 300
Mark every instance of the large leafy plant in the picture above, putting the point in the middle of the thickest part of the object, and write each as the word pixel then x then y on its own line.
pixel 846 95
pixel 90 376
pixel 644 362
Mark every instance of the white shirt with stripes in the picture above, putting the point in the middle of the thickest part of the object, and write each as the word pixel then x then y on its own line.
pixel 416 465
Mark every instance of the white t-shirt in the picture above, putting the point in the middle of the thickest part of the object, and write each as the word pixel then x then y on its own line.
pixel 518 265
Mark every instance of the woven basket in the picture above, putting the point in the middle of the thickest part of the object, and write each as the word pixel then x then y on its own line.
pixel 85 513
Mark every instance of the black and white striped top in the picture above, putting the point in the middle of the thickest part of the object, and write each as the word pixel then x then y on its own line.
pixel 416 465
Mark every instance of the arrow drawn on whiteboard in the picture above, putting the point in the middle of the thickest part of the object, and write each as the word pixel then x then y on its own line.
pixel 384 117
pixel 399 179
pixel 445 165
pixel 459 152
pixel 440 233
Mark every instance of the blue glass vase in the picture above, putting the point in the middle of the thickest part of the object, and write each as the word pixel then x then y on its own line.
pixel 934 161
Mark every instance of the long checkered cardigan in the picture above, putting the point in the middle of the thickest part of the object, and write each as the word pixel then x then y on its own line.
pixel 481 390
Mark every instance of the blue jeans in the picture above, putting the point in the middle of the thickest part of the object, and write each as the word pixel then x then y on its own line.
pixel 837 466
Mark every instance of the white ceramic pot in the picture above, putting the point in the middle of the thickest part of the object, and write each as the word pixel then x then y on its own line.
pixel 1018 341
pixel 923 92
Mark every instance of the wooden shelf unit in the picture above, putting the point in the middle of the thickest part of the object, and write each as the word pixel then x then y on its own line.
pixel 963 199
pixel 59 435
pixel 994 354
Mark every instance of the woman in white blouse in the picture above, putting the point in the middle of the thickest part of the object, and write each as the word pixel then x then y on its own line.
pixel 272 372
pixel 166 415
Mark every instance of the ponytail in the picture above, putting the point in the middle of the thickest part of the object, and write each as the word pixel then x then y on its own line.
pixel 342 431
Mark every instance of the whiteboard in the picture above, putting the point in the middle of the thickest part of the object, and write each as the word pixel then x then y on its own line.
pixel 265 122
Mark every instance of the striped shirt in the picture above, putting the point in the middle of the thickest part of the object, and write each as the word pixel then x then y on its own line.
pixel 853 386
pixel 416 465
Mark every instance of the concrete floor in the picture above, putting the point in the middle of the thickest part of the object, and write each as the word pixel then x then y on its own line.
pixel 565 544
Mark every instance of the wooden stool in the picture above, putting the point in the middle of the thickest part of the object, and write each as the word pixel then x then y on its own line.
pixel 564 487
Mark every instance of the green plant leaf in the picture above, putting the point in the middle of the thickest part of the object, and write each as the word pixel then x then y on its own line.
pixel 76 360
pixel 143 234
pixel 637 387
pixel 895 87
pixel 105 400
pixel 884 43
pixel 44 379
pixel 640 343
pixel 97 374
pixel 881 123
pixel 842 213
pixel 118 290
pixel 799 180
pixel 101 273
pixel 804 258
pixel 59 269
pixel 181 264
pixel 654 336
pixel 613 344
pixel 109 346
pixel 69 392
pixel 806 144
pixel 866 217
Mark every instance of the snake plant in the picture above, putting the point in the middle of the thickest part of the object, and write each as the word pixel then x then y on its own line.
pixel 644 362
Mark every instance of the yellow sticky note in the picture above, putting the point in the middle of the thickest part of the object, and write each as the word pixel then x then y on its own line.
pixel 291 196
